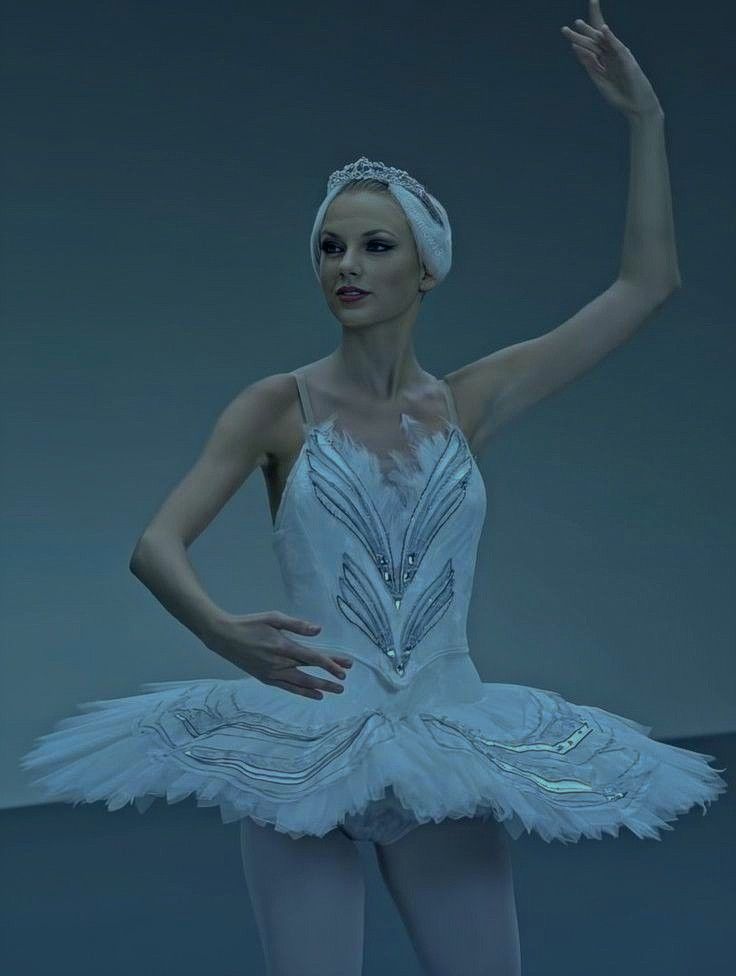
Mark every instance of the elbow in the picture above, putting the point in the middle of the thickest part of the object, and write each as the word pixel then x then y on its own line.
pixel 136 558
pixel 148 548
pixel 653 293
pixel 663 295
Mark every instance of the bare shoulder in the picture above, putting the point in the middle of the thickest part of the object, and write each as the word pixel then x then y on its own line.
pixel 260 415
pixel 246 434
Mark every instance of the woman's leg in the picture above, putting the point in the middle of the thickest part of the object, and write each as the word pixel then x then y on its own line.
pixel 308 897
pixel 452 883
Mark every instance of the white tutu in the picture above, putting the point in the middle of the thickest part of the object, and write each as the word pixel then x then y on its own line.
pixel 522 755
pixel 386 565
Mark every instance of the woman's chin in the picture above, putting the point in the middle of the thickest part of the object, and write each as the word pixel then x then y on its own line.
pixel 357 316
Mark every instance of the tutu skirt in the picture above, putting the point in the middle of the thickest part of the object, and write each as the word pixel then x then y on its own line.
pixel 524 756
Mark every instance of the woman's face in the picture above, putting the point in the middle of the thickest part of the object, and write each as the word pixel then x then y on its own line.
pixel 366 241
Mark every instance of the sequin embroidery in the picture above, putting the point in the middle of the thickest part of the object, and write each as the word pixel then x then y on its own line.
pixel 338 488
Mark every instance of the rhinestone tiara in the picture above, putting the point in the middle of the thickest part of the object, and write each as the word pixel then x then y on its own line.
pixel 366 169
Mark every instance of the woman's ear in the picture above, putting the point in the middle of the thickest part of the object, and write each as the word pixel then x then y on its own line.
pixel 428 280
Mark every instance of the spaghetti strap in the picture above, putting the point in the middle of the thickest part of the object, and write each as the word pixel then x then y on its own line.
pixel 304 401
pixel 450 402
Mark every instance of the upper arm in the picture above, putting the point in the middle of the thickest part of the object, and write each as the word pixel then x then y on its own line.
pixel 239 442
pixel 497 387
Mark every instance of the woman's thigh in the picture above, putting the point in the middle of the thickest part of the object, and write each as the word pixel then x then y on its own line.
pixel 308 898
pixel 452 883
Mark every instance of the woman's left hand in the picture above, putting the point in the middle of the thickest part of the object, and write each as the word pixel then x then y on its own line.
pixel 612 66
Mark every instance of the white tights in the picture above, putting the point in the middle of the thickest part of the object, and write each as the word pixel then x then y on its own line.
pixel 451 882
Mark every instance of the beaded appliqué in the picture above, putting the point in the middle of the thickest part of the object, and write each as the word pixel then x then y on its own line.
pixel 215 734
pixel 448 733
pixel 339 489
pixel 219 736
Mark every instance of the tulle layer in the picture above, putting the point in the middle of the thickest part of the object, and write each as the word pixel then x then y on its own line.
pixel 524 756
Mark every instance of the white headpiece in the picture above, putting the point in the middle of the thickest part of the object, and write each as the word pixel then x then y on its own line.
pixel 426 216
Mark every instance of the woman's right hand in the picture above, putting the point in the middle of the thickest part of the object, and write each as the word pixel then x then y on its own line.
pixel 256 644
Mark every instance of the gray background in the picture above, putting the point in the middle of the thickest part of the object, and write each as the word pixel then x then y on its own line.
pixel 162 166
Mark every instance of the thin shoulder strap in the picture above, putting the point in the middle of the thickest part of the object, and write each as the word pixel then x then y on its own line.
pixel 450 402
pixel 304 401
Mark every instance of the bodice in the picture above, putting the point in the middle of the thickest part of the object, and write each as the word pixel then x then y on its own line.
pixel 383 560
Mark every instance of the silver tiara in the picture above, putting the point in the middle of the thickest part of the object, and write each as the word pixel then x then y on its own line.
pixel 365 169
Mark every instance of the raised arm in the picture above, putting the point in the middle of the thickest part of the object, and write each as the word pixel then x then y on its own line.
pixel 492 390
pixel 497 387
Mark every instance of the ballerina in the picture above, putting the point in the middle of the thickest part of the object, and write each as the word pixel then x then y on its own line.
pixel 378 503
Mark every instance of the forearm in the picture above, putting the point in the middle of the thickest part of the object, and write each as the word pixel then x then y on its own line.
pixel 161 563
pixel 649 256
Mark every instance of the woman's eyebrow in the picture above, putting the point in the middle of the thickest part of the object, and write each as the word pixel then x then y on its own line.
pixel 378 230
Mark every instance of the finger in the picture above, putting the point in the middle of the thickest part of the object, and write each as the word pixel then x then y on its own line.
pixel 310 657
pixel 291 673
pixel 588 58
pixel 596 15
pixel 308 681
pixel 297 677
pixel 295 690
pixel 588 31
pixel 580 39
pixel 283 622
pixel 612 42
